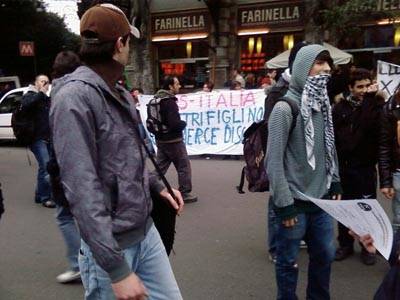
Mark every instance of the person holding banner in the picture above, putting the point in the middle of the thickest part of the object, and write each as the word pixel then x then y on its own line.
pixel 301 161
pixel 356 124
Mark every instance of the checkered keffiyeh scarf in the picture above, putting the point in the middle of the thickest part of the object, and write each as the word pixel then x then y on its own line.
pixel 315 96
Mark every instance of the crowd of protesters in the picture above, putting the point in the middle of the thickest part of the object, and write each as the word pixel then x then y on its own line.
pixel 328 149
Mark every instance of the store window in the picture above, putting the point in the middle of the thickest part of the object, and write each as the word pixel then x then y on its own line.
pixel 185 59
pixel 379 36
pixel 376 36
pixel 257 49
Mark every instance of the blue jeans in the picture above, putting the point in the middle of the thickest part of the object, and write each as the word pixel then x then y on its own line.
pixel 273 227
pixel 396 201
pixel 147 259
pixel 317 231
pixel 72 238
pixel 41 149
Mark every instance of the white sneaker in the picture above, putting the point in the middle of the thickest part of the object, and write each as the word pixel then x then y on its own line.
pixel 68 276
pixel 303 245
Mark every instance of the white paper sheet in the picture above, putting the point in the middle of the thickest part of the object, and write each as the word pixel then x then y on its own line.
pixel 363 216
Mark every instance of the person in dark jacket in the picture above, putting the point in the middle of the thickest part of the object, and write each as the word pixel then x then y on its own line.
pixel 65 62
pixel 356 123
pixel 389 155
pixel 170 145
pixel 38 103
pixel 103 168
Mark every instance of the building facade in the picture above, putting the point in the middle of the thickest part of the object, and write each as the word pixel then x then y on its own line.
pixel 204 40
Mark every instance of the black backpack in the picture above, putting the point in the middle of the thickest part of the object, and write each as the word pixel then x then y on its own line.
pixel 23 125
pixel 154 122
pixel 254 150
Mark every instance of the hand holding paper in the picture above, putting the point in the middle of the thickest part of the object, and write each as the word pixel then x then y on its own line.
pixel 363 216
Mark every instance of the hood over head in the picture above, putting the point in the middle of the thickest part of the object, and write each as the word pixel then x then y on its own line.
pixel 301 68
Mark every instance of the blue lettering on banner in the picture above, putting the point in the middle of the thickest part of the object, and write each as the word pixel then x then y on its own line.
pixel 203 132
pixel 200 136
pixel 189 136
pixel 233 134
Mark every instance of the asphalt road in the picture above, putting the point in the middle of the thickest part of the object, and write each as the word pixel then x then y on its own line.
pixel 220 250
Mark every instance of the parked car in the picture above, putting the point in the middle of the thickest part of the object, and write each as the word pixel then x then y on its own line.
pixel 7 104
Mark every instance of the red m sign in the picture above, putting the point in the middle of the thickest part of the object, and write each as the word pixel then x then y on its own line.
pixel 26 48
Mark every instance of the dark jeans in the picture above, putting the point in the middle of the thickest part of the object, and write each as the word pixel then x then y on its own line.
pixel 72 238
pixel 41 150
pixel 357 183
pixel 273 227
pixel 317 231
pixel 176 153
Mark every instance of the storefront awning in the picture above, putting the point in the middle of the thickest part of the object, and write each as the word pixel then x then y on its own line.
pixel 281 60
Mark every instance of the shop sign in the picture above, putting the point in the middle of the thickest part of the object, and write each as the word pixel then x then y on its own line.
pixel 388 5
pixel 180 22
pixel 290 14
pixel 26 48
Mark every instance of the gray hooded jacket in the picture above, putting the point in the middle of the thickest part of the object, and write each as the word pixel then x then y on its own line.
pixel 287 166
pixel 102 165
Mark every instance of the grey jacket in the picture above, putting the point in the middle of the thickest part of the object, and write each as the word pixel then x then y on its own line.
pixel 102 166
pixel 287 167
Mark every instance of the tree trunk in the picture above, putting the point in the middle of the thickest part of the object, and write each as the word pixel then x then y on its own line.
pixel 313 29
pixel 140 71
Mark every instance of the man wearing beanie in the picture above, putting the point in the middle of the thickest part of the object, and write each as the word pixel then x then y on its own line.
pixel 103 172
pixel 304 161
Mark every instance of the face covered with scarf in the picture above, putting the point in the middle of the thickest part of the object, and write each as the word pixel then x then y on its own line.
pixel 315 97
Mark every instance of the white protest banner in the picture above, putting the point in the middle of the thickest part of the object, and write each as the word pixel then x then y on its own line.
pixel 216 121
pixel 388 77
pixel 363 216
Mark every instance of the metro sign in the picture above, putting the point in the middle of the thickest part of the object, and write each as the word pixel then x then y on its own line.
pixel 26 48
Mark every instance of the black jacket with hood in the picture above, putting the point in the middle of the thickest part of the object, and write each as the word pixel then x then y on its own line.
pixel 39 104
pixel 357 132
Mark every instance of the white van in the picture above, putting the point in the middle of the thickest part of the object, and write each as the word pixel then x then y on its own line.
pixel 7 104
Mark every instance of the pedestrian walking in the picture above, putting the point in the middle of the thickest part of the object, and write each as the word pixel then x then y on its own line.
pixel 37 103
pixel 302 161
pixel 103 168
pixel 170 145
pixel 65 62
pixel 356 124
pixel 276 92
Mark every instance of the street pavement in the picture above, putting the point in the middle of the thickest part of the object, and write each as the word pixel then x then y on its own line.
pixel 220 249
